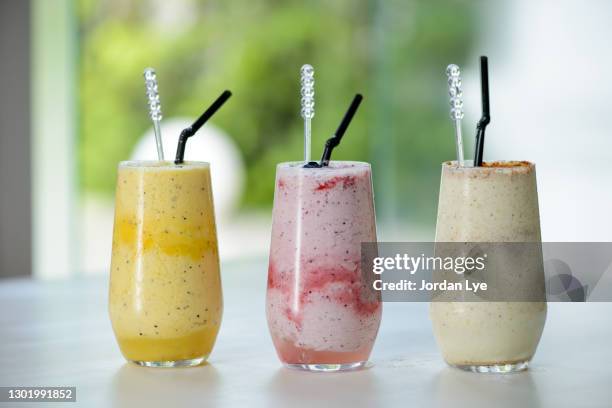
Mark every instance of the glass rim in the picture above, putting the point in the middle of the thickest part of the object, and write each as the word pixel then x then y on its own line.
pixel 289 164
pixel 495 166
pixel 161 164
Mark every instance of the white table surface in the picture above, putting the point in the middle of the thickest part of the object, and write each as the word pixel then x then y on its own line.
pixel 59 334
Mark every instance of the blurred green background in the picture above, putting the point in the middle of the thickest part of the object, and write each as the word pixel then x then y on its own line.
pixel 394 52
pixel 74 106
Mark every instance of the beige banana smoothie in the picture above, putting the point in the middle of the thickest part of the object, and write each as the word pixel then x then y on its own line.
pixel 497 202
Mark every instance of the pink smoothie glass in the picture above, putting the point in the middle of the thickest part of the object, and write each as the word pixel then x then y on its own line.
pixel 322 311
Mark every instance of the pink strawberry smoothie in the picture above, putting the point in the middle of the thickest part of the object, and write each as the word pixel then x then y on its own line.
pixel 321 308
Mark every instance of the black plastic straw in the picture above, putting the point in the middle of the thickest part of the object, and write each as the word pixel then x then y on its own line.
pixel 335 140
pixel 486 117
pixel 191 130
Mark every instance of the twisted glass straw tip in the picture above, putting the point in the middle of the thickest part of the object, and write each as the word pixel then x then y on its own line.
pixel 152 94
pixel 453 74
pixel 307 91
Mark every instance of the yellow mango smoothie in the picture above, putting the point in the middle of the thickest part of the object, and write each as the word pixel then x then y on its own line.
pixel 165 288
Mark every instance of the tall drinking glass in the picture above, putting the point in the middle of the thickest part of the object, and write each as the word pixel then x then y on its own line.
pixel 165 288
pixel 322 312
pixel 495 203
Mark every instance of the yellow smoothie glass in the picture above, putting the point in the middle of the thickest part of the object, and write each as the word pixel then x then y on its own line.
pixel 165 298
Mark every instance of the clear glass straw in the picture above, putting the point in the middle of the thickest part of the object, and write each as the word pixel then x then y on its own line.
pixel 307 103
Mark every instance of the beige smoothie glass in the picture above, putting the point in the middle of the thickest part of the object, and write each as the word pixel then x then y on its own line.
pixel 494 203
pixel 165 298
